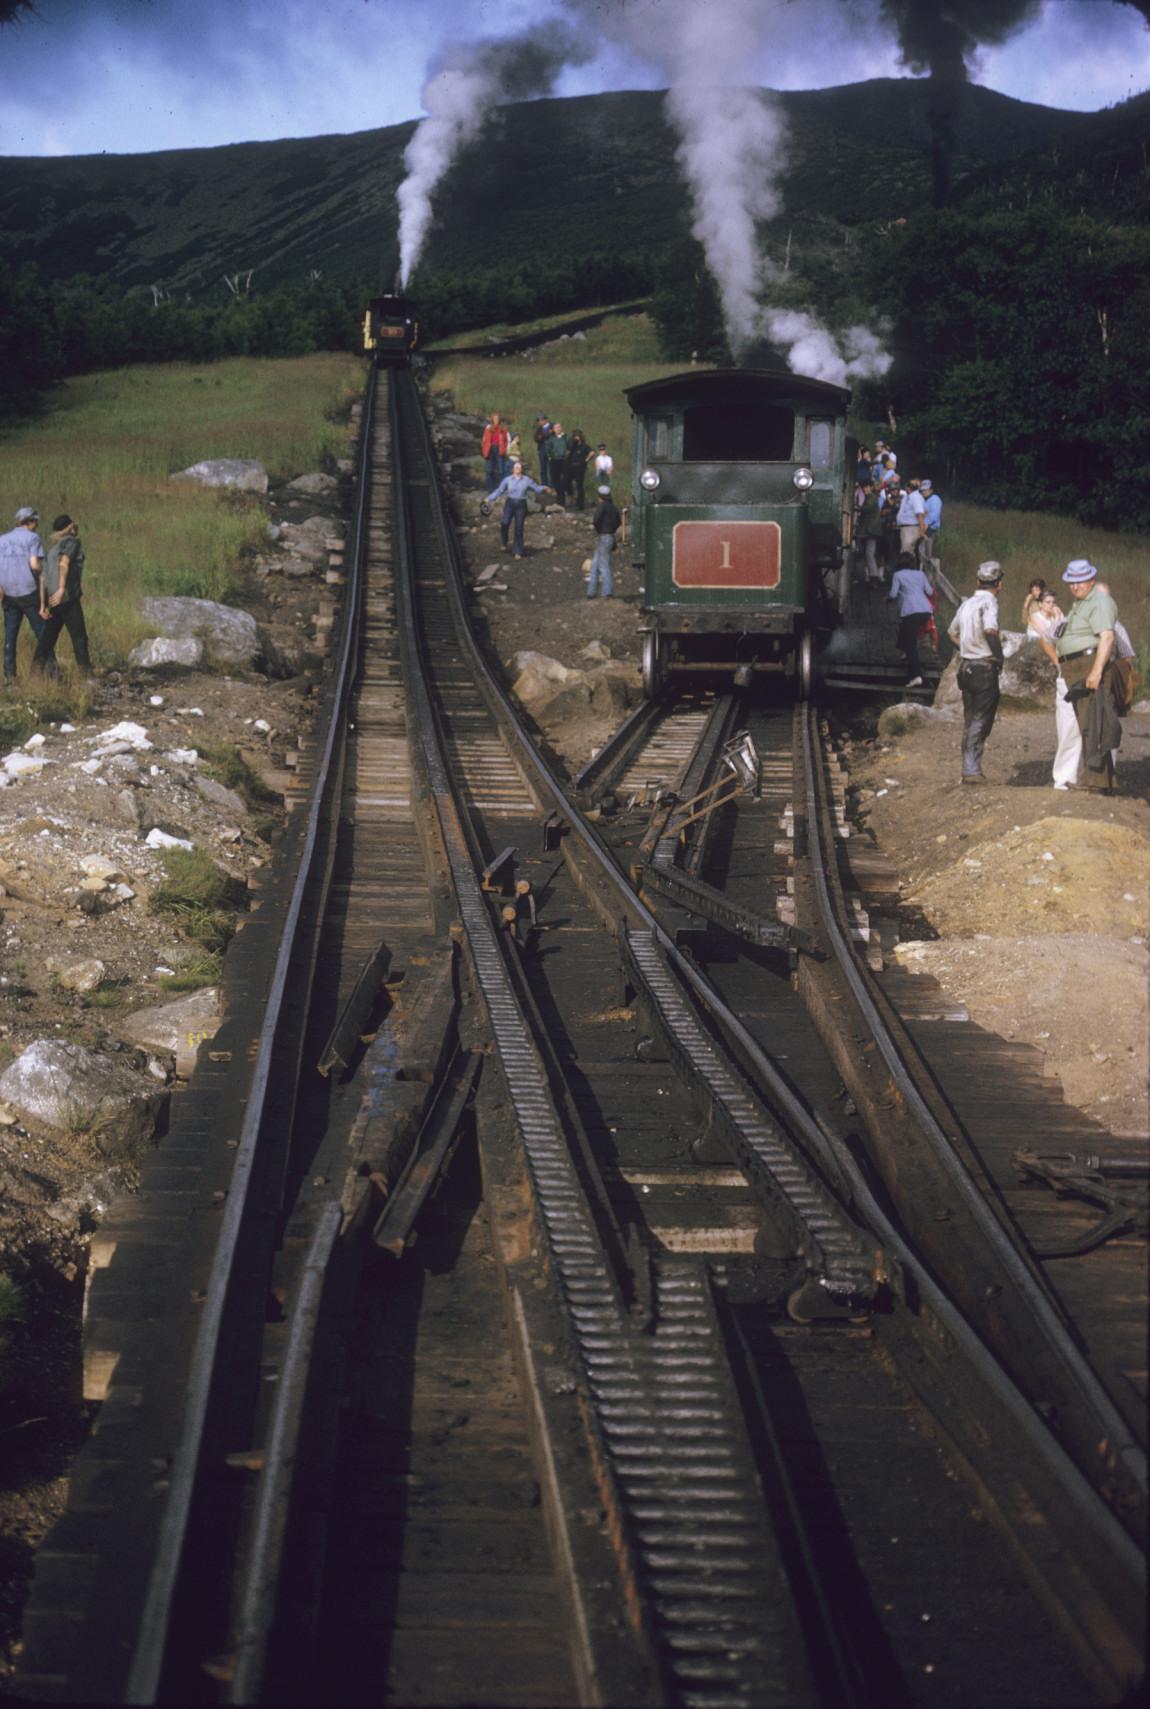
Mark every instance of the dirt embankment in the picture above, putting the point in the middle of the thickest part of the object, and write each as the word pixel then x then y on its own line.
pixel 1028 904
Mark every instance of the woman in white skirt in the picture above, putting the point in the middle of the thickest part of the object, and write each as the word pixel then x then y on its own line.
pixel 1045 621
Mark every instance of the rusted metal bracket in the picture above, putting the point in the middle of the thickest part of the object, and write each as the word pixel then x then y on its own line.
pixel 438 1137
pixel 499 874
pixel 1071 1175
pixel 700 898
pixel 345 1035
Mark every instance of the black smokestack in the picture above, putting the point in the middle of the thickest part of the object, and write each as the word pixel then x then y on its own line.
pixel 941 37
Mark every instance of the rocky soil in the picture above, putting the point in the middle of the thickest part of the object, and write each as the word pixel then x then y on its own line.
pixel 97 1033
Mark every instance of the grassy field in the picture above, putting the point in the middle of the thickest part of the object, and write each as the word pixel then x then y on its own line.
pixel 514 329
pixel 579 383
pixel 106 444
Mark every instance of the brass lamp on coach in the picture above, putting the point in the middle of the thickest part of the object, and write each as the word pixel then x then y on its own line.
pixel 390 330
pixel 741 522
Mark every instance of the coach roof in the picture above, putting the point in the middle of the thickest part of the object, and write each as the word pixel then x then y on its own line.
pixel 744 385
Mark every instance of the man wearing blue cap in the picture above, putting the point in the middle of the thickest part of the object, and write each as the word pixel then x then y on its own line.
pixel 1085 647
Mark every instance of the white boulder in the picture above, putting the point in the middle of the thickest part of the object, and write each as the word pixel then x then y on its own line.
pixel 242 474
pixel 78 1091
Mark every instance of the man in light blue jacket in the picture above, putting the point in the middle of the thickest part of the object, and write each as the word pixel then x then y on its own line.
pixel 513 490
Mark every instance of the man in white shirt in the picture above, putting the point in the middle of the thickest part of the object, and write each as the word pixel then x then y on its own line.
pixel 911 521
pixel 974 631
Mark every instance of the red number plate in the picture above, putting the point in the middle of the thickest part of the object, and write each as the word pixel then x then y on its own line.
pixel 726 554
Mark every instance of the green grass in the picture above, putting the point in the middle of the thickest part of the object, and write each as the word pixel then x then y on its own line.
pixel 196 972
pixel 1030 543
pixel 106 444
pixel 579 383
pixel 229 767
pixel 202 899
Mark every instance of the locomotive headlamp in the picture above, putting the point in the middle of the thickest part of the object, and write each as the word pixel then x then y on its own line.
pixel 803 479
pixel 649 480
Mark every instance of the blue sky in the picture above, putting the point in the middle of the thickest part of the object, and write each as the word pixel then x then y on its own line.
pixel 129 76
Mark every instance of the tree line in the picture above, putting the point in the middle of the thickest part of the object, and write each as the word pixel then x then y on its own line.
pixel 1020 336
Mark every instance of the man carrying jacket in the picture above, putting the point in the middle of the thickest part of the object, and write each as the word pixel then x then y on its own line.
pixel 1085 652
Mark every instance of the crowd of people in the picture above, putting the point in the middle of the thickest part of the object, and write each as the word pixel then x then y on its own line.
pixel 564 463
pixel 45 588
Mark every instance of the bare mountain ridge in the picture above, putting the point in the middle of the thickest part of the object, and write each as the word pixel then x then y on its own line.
pixel 550 179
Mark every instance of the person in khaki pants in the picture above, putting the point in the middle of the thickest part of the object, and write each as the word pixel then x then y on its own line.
pixel 1085 661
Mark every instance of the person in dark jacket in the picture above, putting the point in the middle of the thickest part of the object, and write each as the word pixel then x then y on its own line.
pixel 606 521
pixel 578 456
pixel 63 594
pixel 557 461
pixel 869 531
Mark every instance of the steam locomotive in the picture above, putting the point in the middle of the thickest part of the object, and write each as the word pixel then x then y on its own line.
pixel 390 330
pixel 742 515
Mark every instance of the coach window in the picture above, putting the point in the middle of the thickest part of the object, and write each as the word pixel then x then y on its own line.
pixel 822 433
pixel 734 433
pixel 658 438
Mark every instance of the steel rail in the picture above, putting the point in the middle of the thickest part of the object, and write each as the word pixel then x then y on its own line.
pixel 145 1673
pixel 836 1158
pixel 674 1445
pixel 261 1578
pixel 1058 1337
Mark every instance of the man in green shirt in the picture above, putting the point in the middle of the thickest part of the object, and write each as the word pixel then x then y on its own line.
pixel 1085 647
pixel 63 570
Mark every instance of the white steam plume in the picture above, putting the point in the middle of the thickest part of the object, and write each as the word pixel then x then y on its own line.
pixel 732 149
pixel 466 83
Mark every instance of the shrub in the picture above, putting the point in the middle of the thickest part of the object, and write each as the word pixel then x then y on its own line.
pixel 203 899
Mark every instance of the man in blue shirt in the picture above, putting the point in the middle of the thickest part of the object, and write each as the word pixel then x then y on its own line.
pixel 912 591
pixel 933 522
pixel 21 573
pixel 513 489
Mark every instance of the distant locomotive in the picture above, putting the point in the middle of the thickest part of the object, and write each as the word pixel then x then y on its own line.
pixel 390 330
pixel 742 516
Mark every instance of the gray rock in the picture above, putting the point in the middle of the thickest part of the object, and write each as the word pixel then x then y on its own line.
pixel 313 483
pixel 167 650
pixel 179 1027
pixel 220 795
pixel 73 975
pixel 230 637
pixel 73 1089
pixel 1026 675
pixel 295 568
pixel 241 474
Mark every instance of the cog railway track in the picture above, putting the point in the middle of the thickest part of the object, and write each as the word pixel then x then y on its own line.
pixel 588 1331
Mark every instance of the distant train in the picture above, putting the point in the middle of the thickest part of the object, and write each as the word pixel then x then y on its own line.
pixel 741 524
pixel 390 330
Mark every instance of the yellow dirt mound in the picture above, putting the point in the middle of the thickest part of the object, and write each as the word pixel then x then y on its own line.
pixel 1057 875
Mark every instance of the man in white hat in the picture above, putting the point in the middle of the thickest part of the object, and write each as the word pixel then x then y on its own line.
pixel 1085 648
pixel 974 631
pixel 21 581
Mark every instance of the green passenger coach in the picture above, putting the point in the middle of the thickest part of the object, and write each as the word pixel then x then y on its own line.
pixel 741 520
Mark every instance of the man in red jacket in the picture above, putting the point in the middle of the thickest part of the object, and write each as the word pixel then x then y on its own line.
pixel 495 438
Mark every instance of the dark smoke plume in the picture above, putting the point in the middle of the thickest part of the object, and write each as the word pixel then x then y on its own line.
pixel 942 36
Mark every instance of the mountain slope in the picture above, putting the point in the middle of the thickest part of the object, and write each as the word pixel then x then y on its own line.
pixel 549 180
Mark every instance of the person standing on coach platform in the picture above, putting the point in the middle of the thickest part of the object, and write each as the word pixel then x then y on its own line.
pixel 21 582
pixel 974 632
pixel 62 597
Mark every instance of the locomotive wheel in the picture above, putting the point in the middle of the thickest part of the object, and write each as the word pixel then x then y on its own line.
pixel 806 667
pixel 654 665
